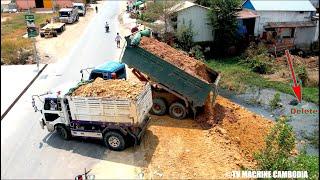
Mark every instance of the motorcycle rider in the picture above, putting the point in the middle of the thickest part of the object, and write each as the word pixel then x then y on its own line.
pixel 107 27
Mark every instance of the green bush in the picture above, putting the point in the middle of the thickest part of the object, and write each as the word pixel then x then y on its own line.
pixel 279 143
pixel 184 35
pixel 274 103
pixel 302 74
pixel 15 51
pixel 196 51
pixel 257 59
pixel 276 156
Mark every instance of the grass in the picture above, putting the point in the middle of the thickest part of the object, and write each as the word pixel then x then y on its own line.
pixel 238 77
pixel 14 48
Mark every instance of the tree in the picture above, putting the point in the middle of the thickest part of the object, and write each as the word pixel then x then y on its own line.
pixel 184 36
pixel 222 18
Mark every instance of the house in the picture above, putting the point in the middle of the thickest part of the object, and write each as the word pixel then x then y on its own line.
pixel 48 4
pixel 187 13
pixel 286 22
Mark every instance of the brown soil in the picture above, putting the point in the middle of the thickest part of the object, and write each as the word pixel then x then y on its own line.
pixel 176 57
pixel 182 149
pixel 120 89
pixel 243 126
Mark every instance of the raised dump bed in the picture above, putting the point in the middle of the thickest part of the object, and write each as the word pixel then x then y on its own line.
pixel 190 88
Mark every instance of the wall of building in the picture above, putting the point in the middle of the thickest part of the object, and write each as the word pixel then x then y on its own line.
pixel 304 36
pixel 25 4
pixel 198 17
pixel 278 16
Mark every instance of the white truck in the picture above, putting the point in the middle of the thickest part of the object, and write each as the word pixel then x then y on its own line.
pixel 118 122
pixel 68 15
pixel 81 8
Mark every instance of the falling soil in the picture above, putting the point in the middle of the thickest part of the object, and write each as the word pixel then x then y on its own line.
pixel 118 88
pixel 176 57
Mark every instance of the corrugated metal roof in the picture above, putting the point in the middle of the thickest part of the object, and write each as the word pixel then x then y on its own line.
pixel 290 24
pixel 282 5
pixel 246 14
pixel 184 5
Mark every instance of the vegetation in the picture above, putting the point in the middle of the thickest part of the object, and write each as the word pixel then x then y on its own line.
pixel 313 138
pixel 274 103
pixel 257 59
pixel 238 77
pixel 184 36
pixel 222 17
pixel 276 156
pixel 14 48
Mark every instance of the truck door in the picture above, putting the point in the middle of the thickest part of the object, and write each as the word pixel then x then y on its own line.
pixel 53 110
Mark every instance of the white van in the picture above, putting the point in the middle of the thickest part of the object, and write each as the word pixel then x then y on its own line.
pixel 81 8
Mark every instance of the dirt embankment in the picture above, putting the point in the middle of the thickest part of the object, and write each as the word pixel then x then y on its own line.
pixel 182 149
pixel 176 57
pixel 117 88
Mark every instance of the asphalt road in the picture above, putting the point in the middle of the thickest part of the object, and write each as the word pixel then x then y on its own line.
pixel 29 152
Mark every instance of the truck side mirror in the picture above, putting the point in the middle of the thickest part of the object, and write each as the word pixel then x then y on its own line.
pixel 34 105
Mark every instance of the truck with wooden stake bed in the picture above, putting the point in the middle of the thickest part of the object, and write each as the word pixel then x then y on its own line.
pixel 119 122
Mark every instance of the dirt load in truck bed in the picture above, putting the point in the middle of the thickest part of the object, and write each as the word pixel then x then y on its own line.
pixel 176 57
pixel 115 88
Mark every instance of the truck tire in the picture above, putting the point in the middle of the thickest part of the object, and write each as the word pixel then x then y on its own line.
pixel 63 132
pixel 54 34
pixel 41 35
pixel 114 141
pixel 159 107
pixel 177 111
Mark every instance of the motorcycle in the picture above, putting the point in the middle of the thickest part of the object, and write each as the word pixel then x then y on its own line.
pixel 85 176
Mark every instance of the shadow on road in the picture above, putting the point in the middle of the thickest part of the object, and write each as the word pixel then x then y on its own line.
pixel 140 155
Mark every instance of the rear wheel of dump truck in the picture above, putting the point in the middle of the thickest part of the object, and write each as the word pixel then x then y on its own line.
pixel 159 107
pixel 63 132
pixel 114 141
pixel 177 111
pixel 42 35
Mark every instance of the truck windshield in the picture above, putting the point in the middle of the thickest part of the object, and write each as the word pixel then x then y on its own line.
pixel 64 14
pixel 79 7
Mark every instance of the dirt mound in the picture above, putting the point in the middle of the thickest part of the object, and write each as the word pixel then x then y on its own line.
pixel 242 126
pixel 183 150
pixel 176 57
pixel 119 89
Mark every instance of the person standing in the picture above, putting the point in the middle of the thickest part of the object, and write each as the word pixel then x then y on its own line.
pixel 96 9
pixel 118 38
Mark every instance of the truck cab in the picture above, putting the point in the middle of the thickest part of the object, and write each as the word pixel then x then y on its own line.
pixel 107 70
pixel 68 15
pixel 81 8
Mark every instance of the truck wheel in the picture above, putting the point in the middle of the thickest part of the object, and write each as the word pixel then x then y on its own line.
pixel 114 141
pixel 63 132
pixel 177 111
pixel 41 35
pixel 159 107
pixel 54 34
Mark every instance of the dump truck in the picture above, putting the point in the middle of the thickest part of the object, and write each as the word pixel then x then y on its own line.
pixel 119 122
pixel 174 91
pixel 52 29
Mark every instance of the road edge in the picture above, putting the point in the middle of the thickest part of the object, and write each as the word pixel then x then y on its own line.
pixel 23 91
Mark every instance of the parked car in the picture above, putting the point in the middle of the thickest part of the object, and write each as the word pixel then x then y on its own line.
pixel 68 15
pixel 81 8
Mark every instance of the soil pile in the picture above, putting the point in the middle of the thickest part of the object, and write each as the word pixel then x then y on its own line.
pixel 181 149
pixel 242 126
pixel 176 57
pixel 118 88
